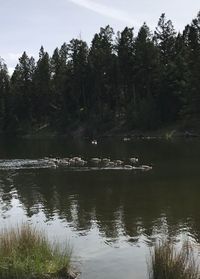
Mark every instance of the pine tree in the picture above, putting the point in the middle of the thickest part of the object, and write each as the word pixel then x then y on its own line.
pixel 4 91
pixel 42 89
pixel 101 70
pixel 125 47
pixel 165 38
pixel 146 72
pixel 21 91
pixel 78 55
pixel 191 36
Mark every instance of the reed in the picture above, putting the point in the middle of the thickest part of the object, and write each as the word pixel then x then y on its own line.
pixel 166 262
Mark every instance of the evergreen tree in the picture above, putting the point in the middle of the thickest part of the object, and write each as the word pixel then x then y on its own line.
pixel 125 47
pixel 4 91
pixel 21 91
pixel 101 69
pixel 42 89
pixel 191 37
pixel 146 73
pixel 58 116
pixel 165 38
pixel 78 55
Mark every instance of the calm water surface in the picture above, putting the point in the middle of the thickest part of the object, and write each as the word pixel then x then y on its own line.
pixel 110 217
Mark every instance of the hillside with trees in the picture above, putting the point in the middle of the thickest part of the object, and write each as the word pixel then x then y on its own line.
pixel 127 81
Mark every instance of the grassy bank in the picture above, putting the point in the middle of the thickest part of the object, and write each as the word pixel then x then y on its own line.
pixel 26 253
pixel 168 263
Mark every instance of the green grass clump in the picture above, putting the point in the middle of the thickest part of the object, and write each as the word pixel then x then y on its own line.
pixel 26 253
pixel 168 263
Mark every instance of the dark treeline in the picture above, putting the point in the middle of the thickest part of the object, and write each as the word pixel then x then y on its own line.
pixel 121 81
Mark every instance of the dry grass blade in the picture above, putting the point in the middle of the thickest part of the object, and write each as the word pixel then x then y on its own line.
pixel 168 263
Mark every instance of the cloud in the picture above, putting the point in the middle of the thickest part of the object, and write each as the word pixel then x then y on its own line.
pixel 105 10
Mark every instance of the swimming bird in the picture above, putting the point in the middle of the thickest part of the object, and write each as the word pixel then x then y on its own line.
pixel 129 167
pixel 126 139
pixel 105 162
pixel 133 160
pixel 118 162
pixel 95 161
pixel 145 167
pixel 110 164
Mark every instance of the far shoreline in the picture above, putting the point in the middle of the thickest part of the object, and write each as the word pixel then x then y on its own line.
pixel 168 132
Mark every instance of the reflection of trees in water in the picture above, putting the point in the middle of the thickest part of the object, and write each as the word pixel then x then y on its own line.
pixel 6 191
pixel 116 203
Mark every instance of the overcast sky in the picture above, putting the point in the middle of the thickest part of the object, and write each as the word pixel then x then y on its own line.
pixel 28 24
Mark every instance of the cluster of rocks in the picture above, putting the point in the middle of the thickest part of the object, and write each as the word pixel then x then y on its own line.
pixel 101 163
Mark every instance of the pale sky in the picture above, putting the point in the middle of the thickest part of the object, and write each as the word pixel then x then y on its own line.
pixel 28 24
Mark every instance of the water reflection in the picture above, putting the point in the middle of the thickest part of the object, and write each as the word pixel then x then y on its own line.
pixel 124 204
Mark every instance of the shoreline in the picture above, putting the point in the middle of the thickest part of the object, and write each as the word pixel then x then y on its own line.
pixel 125 134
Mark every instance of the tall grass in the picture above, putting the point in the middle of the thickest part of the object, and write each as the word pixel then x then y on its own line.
pixel 166 262
pixel 26 253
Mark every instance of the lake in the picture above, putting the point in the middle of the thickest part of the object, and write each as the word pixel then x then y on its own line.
pixel 110 216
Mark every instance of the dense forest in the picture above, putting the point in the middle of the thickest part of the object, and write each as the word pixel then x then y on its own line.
pixel 121 81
